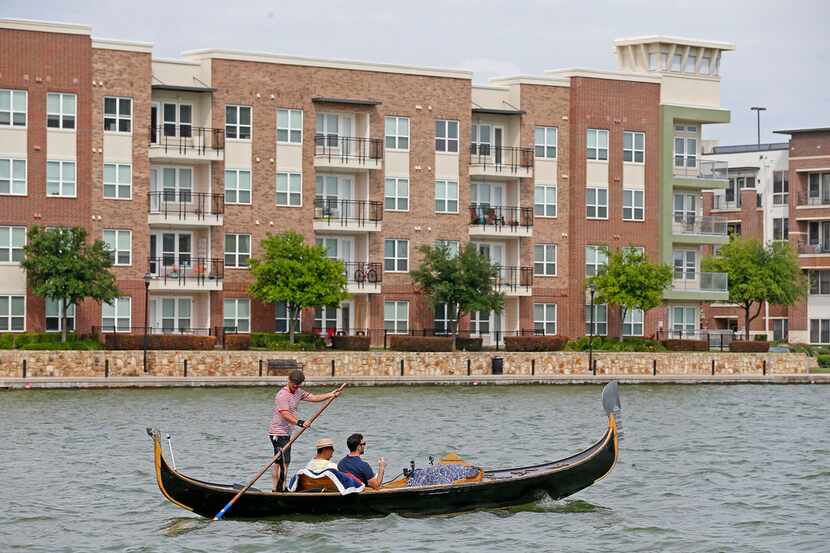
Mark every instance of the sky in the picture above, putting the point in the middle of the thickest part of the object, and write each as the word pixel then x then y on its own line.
pixel 782 61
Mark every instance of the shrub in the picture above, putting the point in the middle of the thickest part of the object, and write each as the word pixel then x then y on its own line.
pixel 686 345
pixel 748 346
pixel 159 341
pixel 823 360
pixel 609 344
pixel 46 341
pixel 534 343
pixel 420 343
pixel 274 341
pixel 82 345
pixel 761 337
pixel 237 341
pixel 350 343
pixel 465 343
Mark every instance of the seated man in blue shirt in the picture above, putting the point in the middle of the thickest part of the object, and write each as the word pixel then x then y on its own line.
pixel 356 467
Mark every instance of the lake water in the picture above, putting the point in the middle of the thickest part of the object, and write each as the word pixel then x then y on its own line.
pixel 705 468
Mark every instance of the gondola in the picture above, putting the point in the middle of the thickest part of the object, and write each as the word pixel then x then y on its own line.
pixel 496 488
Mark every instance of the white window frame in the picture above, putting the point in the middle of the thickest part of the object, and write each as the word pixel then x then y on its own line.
pixel 545 208
pixel 444 141
pixel 8 248
pixel 57 306
pixel 397 259
pixel 293 135
pixel 61 182
pixel 238 126
pixel 396 194
pixel 780 229
pixel 600 151
pixel 688 136
pixel 600 324
pixel 14 95
pixel 453 246
pixel 785 330
pixel 636 211
pixel 112 238
pixel 780 187
pixel 283 317
pixel 289 183
pixel 237 254
pixel 446 194
pixel 117 184
pixel 398 323
pixel 241 323
pixel 687 266
pixel 632 152
pixel 542 320
pixel 685 326
pixel 235 188
pixel 545 142
pixel 14 165
pixel 117 117
pixel 399 139
pixel 8 317
pixel 600 210
pixel 115 306
pixel 63 114
pixel 596 257
pixel 544 257
pixel 819 286
pixel 442 322
pixel 634 322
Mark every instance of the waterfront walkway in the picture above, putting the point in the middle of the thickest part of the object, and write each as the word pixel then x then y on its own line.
pixel 227 381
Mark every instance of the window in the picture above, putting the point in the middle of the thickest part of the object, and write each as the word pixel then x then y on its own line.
pixel 481 139
pixel 780 228
pixel 780 188
pixel 396 316
pixel 12 313
pixel 544 200
pixel 237 250
pixel 60 110
pixel 396 194
pixel 544 260
pixel 177 119
pixel 634 250
pixel 446 136
pixel 705 65
pixel 685 264
pixel 60 179
pixel 600 319
pixel 290 126
pixel 652 61
pixel 238 315
pixel 12 240
pixel 819 329
pixel 633 322
pixel 13 177
pixel 282 317
pixel 325 317
pixel 444 323
pixel 396 256
pixel 677 62
pixel 119 243
pixel 596 257
pixel 598 144
pixel 446 196
pixel 118 114
pixel 819 283
pixel 13 108
pixel 780 330
pixel 691 63
pixel 818 189
pixel 683 320
pixel 544 318
pixel 238 122
pixel 685 208
pixel 634 147
pixel 54 319
pixel 175 314
pixel 596 202
pixel 397 133
pixel 633 209
pixel 451 245
pixel 685 149
pixel 177 184
pixel 237 186
pixel 118 181
pixel 289 189
pixel 117 316
pixel 544 139
pixel 818 235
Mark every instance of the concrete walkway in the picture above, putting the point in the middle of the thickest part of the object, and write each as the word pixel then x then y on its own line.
pixel 242 381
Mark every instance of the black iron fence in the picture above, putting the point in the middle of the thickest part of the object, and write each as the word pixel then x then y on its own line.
pixel 166 329
pixel 716 339
pixel 508 159
pixel 335 211
pixel 499 216
pixel 363 274
pixel 183 269
pixel 514 278
pixel 179 204
pixel 184 139
pixel 349 150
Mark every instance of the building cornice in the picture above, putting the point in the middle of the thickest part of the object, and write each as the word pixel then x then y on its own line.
pixel 601 74
pixel 530 79
pixel 658 39
pixel 123 45
pixel 45 26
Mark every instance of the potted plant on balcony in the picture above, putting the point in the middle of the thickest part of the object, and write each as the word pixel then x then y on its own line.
pixel 174 271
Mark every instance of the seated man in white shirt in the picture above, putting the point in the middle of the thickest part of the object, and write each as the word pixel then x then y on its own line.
pixel 322 461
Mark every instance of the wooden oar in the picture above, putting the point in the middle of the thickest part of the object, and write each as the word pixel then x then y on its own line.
pixel 276 457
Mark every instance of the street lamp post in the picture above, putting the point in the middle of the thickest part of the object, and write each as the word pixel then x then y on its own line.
pixel 593 288
pixel 147 278
pixel 758 110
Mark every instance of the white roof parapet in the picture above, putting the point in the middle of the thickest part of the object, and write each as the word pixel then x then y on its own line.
pixel 656 39
pixel 125 45
pixel 530 79
pixel 602 74
pixel 45 26
pixel 265 57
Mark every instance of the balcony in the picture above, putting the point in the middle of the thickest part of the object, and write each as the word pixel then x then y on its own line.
pixel 504 221
pixel 347 216
pixel 727 203
pixel 693 229
pixel 501 161
pixel 813 249
pixel 185 273
pixel 363 278
pixel 705 174
pixel 692 285
pixel 515 281
pixel 186 142
pixel 347 152
pixel 817 199
pixel 185 208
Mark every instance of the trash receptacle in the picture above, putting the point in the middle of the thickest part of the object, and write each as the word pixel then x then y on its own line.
pixel 497 365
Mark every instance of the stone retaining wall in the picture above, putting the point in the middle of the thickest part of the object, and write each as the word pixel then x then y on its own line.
pixel 387 363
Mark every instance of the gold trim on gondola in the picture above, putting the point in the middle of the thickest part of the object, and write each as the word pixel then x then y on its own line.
pixel 157 455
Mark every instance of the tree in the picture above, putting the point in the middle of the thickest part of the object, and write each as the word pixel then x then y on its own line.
pixel 465 282
pixel 297 273
pixel 61 265
pixel 629 281
pixel 759 274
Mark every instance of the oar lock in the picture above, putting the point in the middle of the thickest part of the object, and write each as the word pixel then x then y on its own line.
pixel 407 472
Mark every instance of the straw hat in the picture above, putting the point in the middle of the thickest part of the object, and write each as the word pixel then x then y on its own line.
pixel 324 442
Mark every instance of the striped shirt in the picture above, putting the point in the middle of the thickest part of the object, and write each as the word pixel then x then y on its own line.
pixel 285 401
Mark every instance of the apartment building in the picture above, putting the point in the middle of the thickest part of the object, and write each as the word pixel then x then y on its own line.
pixel 184 165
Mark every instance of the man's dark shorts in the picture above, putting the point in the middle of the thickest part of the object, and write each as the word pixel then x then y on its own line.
pixel 279 442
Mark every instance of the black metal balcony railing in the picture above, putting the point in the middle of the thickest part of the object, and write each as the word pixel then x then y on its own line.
pixel 508 159
pixel 183 203
pixel 186 139
pixel 514 278
pixel 500 216
pixel 349 150
pixel 806 248
pixel 823 198
pixel 363 274
pixel 184 269
pixel 335 211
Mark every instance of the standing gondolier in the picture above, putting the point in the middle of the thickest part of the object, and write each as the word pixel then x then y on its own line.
pixel 285 419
